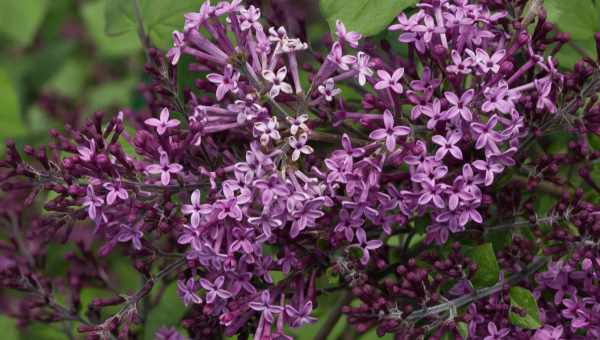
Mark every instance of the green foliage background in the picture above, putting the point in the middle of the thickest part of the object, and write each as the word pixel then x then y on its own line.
pixel 87 51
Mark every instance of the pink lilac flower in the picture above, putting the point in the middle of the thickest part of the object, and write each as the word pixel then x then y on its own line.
pixel 390 81
pixel 187 291
pixel 487 136
pixel 460 106
pixel 342 61
pixel 329 90
pixel 434 112
pixel 298 124
pixel 264 305
pixel 226 82
pixel 131 234
pixel 366 245
pixel 178 44
pixel 299 146
pixel 363 67
pixel 300 316
pixel 267 131
pixel 165 168
pixel 544 102
pixel 114 192
pixel 196 210
pixel 214 289
pixel 428 29
pixel 390 133
pixel 277 82
pixel 352 38
pixel 87 154
pixel 163 123
pixel 549 333
pixel 489 168
pixel 447 145
pixel 486 62
pixel 494 333
pixel 249 18
pixel 92 202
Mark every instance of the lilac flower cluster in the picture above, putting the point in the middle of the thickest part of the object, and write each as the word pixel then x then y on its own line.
pixel 271 174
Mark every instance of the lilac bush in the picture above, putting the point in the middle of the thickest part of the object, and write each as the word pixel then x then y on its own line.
pixel 406 180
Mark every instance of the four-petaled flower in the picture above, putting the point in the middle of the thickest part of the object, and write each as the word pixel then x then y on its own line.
pixel 488 137
pixel 91 201
pixel 267 131
pixel 365 245
pixel 390 132
pixel 196 209
pixel 115 192
pixel 447 145
pixel 363 67
pixel 178 44
pixel 351 38
pixel 264 305
pixel 490 168
pixel 485 62
pixel 131 233
pixel 300 316
pixel 214 289
pixel 163 123
pixel 86 154
pixel 337 57
pixel 494 333
pixel 329 90
pixel 460 106
pixel 277 82
pixel 226 82
pixel 390 81
pixel 187 291
pixel 165 168
pixel 299 146
pixel 544 87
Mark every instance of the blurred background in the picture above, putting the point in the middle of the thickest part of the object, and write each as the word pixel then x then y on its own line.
pixel 60 61
pixel 58 66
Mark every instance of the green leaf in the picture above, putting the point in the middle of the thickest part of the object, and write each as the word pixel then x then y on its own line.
pixel 40 331
pixel 368 17
pixel 488 269
pixel 92 13
pixel 160 17
pixel 168 312
pixel 581 19
pixel 20 19
pixel 524 300
pixel 463 329
pixel 12 122
pixel 70 80
pixel 116 94
pixel 9 328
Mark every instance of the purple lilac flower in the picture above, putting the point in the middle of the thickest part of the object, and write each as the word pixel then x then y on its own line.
pixel 165 168
pixel 264 305
pixel 214 289
pixel 390 133
pixel 163 123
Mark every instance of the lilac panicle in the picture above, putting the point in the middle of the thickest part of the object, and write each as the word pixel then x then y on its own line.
pixel 310 162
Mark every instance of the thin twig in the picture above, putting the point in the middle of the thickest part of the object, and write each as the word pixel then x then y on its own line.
pixel 476 295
